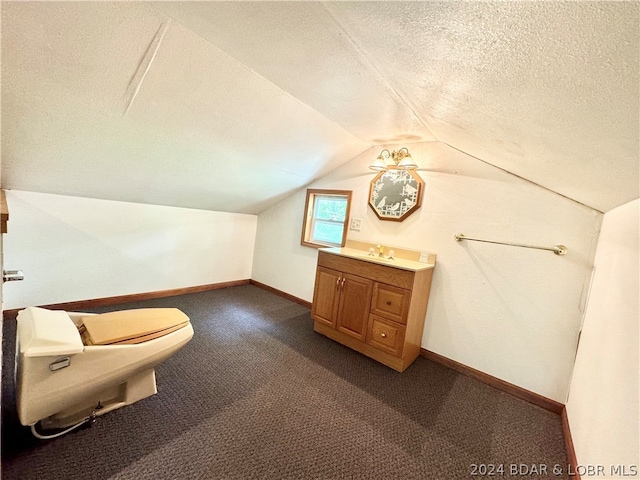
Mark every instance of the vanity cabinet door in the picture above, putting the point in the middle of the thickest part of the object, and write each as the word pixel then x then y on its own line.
pixel 353 309
pixel 326 296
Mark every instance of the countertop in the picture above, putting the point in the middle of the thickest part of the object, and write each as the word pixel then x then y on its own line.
pixel 401 263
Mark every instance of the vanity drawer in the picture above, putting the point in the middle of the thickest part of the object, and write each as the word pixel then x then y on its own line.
pixel 385 335
pixel 390 302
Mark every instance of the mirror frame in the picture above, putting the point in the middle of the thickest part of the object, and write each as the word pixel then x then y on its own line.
pixel 387 182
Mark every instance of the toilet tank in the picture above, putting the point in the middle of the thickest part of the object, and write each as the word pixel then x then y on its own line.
pixel 42 333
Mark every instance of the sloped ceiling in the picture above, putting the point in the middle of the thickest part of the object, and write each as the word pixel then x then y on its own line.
pixel 231 106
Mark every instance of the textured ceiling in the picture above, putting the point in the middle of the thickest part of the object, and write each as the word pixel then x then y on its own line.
pixel 232 105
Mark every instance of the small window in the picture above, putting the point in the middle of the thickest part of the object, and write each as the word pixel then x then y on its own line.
pixel 325 218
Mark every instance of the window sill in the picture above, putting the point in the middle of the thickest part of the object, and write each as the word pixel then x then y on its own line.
pixel 319 245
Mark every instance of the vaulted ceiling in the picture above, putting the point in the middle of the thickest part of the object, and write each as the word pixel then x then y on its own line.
pixel 231 106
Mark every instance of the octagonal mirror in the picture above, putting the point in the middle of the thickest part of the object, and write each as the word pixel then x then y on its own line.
pixel 395 194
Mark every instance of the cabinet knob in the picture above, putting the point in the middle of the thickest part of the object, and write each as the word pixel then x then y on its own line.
pixel 388 302
pixel 383 335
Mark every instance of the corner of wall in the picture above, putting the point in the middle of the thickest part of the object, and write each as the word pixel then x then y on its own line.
pixel 602 406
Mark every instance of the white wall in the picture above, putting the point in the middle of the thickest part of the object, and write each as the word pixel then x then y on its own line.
pixel 603 402
pixel 513 313
pixel 73 248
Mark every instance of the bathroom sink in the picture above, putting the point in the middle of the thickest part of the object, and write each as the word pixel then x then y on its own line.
pixel 372 258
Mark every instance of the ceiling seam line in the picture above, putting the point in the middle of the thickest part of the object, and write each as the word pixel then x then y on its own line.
pixel 523 178
pixel 286 92
pixel 372 67
pixel 145 64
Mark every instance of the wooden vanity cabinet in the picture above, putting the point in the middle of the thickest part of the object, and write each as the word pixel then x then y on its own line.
pixel 342 302
pixel 376 309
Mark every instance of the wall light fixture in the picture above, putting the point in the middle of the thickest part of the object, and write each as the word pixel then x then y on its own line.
pixel 402 160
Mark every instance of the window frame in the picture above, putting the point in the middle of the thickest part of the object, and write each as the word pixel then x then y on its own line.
pixel 309 218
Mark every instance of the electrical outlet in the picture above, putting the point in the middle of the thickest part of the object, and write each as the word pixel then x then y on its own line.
pixel 355 224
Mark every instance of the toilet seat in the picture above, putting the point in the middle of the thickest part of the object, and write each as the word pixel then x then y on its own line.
pixel 126 327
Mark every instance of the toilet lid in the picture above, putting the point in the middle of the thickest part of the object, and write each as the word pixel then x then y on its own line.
pixel 131 326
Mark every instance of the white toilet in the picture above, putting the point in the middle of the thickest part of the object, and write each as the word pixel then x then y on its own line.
pixel 72 367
